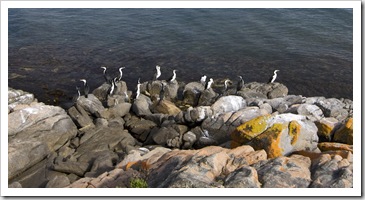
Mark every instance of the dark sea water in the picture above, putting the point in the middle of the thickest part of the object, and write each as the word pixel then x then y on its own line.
pixel 51 49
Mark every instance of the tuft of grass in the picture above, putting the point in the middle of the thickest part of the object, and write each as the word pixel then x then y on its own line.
pixel 138 183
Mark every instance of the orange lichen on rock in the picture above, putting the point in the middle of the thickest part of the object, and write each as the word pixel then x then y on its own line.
pixel 270 140
pixel 137 165
pixel 345 133
pixel 294 131
pixel 250 129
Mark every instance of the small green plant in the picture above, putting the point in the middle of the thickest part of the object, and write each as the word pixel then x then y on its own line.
pixel 138 183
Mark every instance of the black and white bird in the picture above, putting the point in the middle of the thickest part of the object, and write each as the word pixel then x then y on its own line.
pixel 138 92
pixel 173 77
pixel 120 73
pixel 274 76
pixel 226 84
pixel 77 96
pixel 240 83
pixel 113 87
pixel 106 76
pixel 158 72
pixel 86 88
pixel 162 92
pixel 203 79
pixel 209 84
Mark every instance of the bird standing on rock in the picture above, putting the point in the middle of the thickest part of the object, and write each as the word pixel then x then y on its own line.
pixel 162 92
pixel 240 83
pixel 77 96
pixel 86 87
pixel 274 76
pixel 209 84
pixel 203 79
pixel 120 74
pixel 158 73
pixel 112 88
pixel 106 76
pixel 173 77
pixel 138 92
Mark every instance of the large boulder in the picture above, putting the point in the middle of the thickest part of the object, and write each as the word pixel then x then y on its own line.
pixel 16 97
pixel 326 128
pixel 333 107
pixel 228 104
pixel 285 172
pixel 92 106
pixel 80 116
pixel 197 114
pixel 192 92
pixel 166 107
pixel 261 90
pixel 345 133
pixel 34 132
pixel 313 112
pixel 101 92
pixel 141 106
pixel 200 168
pixel 218 128
pixel 279 135
pixel 207 97
pixel 332 172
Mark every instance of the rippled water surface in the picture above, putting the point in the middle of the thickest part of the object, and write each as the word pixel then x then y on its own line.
pixel 51 49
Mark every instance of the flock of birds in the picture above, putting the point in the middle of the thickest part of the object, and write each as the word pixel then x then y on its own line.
pixel 113 81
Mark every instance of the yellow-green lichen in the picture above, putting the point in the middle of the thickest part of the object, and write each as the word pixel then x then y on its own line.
pixel 294 131
pixel 270 140
pixel 250 129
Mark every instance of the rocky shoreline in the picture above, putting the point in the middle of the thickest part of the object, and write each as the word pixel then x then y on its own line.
pixel 184 137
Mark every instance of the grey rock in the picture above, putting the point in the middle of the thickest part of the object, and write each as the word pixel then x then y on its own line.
pixel 105 161
pixel 34 132
pixel 336 172
pixel 158 118
pixel 140 128
pixel 285 172
pixel 192 92
pixel 92 106
pixel 78 168
pixel 294 99
pixel 58 182
pixel 98 140
pixel 251 94
pixel 207 97
pixel 15 185
pixel 313 100
pixel 16 97
pixel 271 90
pixel 164 134
pixel 120 110
pixel 80 116
pixel 197 114
pixel 333 108
pixel 313 112
pixel 24 154
pixel 244 177
pixel 266 107
pixel 102 92
pixel 141 106
pixel 116 123
pixel 100 122
pixel 278 90
pixel 189 138
pixel 228 104
pixel 204 141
